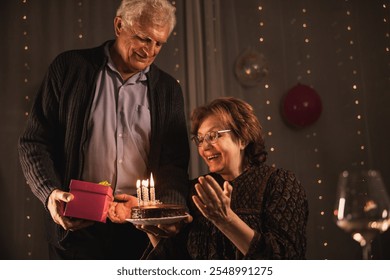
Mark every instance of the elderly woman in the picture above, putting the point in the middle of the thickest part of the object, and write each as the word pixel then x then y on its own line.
pixel 242 209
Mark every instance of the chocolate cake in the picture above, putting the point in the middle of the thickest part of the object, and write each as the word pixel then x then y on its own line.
pixel 157 211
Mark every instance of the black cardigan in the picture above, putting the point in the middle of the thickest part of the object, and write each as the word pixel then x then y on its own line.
pixel 51 147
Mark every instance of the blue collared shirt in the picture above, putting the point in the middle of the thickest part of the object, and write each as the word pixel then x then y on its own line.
pixel 119 129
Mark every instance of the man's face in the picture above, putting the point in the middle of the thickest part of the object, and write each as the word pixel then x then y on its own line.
pixel 137 46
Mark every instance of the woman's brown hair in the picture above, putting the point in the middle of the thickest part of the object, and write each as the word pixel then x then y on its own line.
pixel 238 116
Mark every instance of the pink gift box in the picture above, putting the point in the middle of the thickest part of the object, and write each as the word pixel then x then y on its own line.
pixel 91 201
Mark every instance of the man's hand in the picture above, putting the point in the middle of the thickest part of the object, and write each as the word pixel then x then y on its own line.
pixel 56 204
pixel 120 208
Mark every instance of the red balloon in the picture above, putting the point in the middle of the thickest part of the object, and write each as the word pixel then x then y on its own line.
pixel 301 106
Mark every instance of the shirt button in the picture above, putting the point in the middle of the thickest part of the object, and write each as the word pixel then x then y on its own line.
pixel 120 134
pixel 120 161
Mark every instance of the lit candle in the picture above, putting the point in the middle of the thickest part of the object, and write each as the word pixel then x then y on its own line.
pixel 139 192
pixel 152 192
pixel 145 192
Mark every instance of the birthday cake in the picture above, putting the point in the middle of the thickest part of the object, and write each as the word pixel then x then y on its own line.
pixel 157 211
pixel 151 208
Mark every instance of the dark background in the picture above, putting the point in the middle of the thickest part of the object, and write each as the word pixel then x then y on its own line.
pixel 347 45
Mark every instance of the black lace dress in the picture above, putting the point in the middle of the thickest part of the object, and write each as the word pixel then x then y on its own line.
pixel 272 202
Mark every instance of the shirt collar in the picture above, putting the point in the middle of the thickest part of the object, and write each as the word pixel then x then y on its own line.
pixel 139 77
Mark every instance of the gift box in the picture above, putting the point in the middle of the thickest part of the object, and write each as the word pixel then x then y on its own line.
pixel 91 201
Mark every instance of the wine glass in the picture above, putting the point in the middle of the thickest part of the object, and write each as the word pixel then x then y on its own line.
pixel 362 206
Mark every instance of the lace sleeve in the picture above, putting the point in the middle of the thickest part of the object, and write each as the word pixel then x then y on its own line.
pixel 284 218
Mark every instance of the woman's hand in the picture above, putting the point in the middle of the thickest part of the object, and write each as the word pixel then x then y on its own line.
pixel 156 232
pixel 214 204
pixel 212 201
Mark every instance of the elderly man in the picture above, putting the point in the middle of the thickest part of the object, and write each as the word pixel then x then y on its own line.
pixel 108 114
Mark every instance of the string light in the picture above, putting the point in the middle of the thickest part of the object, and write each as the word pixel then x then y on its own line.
pixel 386 21
pixel 268 104
pixel 355 87
pixel 26 49
pixel 305 28
pixel 176 52
pixel 305 73
pixel 80 31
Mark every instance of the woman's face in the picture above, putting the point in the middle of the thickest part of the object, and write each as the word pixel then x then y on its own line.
pixel 137 47
pixel 225 156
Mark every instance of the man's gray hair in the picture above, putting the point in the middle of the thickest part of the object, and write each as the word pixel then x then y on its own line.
pixel 159 12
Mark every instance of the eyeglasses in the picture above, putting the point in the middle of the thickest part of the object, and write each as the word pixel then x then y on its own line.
pixel 210 137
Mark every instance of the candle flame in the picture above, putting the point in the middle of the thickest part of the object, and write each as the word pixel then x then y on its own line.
pixel 151 180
